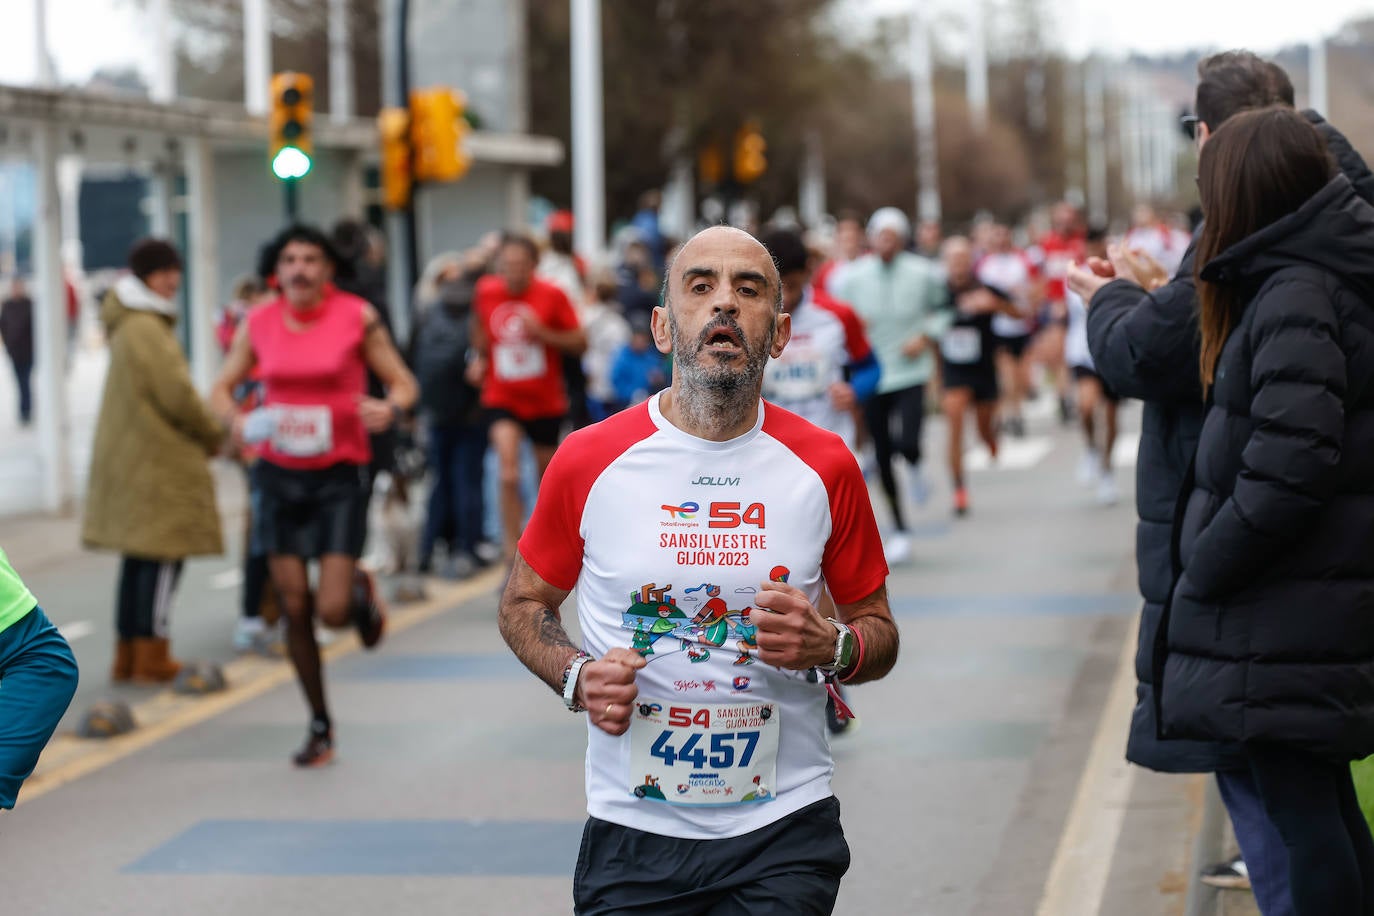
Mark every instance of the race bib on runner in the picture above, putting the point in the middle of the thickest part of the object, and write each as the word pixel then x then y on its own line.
pixel 516 362
pixel 799 378
pixel 962 345
pixel 303 432
pixel 703 754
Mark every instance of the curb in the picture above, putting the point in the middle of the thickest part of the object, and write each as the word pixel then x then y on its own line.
pixel 68 757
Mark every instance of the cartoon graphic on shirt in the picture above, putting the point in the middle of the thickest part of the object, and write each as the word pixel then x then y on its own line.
pixel 654 613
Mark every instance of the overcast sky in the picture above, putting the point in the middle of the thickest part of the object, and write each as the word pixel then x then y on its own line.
pixel 112 33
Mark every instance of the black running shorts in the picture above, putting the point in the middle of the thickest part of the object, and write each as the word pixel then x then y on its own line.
pixel 981 380
pixel 793 866
pixel 311 513
pixel 540 430
pixel 1082 372
pixel 1016 346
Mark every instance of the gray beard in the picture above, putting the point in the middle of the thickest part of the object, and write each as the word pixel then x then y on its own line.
pixel 717 398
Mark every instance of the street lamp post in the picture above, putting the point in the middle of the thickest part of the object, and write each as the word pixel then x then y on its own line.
pixel 588 146
pixel 923 109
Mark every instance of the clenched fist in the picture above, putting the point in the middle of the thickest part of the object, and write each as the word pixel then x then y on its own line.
pixel 606 687
pixel 792 633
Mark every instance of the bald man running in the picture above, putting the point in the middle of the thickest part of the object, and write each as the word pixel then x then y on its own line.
pixel 699 529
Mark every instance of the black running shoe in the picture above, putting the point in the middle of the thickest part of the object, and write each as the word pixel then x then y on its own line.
pixel 369 616
pixel 317 751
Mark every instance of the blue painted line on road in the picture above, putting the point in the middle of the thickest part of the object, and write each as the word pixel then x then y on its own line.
pixel 428 667
pixel 1016 605
pixel 924 530
pixel 349 847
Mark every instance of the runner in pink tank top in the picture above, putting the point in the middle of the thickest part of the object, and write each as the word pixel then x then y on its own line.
pixel 313 375
pixel 312 348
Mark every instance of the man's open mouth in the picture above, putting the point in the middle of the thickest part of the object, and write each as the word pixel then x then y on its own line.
pixel 724 339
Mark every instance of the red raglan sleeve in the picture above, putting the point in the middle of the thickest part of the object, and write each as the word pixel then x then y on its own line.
pixel 853 563
pixel 552 540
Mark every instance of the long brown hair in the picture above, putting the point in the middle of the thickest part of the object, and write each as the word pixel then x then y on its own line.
pixel 1257 168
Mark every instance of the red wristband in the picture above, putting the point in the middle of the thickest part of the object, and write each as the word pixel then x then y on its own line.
pixel 859 656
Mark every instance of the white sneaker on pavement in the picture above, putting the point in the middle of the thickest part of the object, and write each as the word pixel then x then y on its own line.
pixel 246 633
pixel 1089 467
pixel 918 485
pixel 1107 493
pixel 897 548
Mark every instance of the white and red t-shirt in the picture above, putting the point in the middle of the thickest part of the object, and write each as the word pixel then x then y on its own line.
pixel 1056 253
pixel 826 336
pixel 524 375
pixel 1160 241
pixel 1012 272
pixel 667 539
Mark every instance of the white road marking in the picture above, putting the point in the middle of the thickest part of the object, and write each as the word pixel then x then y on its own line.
pixel 230 578
pixel 1078 876
pixel 1012 455
pixel 76 629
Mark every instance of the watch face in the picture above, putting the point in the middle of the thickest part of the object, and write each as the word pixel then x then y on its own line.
pixel 846 649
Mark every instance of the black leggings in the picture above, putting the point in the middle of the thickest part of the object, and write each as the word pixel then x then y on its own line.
pixel 1311 801
pixel 908 407
pixel 144 602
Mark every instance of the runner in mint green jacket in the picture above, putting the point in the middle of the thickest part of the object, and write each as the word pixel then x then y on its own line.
pixel 37 681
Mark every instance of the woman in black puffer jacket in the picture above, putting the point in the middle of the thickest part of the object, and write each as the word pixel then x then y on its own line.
pixel 1269 636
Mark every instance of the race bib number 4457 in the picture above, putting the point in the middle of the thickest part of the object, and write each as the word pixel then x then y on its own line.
pixel 703 754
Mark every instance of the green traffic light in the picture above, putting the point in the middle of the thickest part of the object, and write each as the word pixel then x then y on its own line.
pixel 290 164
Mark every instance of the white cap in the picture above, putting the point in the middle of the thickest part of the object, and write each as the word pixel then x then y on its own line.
pixel 889 218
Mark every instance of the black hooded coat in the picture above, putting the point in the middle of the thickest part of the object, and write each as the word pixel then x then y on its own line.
pixel 1145 345
pixel 1270 632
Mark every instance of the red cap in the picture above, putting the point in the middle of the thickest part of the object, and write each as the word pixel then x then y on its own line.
pixel 560 221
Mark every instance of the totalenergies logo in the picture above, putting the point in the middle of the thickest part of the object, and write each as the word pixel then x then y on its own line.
pixel 686 510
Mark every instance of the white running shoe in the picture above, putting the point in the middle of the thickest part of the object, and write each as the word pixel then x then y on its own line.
pixel 1107 494
pixel 897 548
pixel 918 485
pixel 1089 467
pixel 868 461
pixel 246 633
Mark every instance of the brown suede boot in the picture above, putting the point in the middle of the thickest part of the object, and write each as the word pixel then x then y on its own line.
pixel 123 667
pixel 153 663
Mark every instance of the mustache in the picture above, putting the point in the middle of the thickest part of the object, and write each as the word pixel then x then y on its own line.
pixel 722 323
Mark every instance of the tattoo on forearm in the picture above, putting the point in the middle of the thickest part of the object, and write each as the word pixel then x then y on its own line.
pixel 551 632
pixel 536 635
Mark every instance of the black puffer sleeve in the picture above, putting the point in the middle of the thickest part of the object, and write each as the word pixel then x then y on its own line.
pixel 1145 345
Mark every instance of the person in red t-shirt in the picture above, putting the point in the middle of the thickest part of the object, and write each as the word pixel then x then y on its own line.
pixel 1057 249
pixel 522 328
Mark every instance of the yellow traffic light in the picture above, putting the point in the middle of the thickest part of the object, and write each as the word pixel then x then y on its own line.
pixel 394 126
pixel 710 165
pixel 438 131
pixel 290 144
pixel 750 159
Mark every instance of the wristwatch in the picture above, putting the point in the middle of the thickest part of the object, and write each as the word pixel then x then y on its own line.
pixel 844 648
pixel 570 674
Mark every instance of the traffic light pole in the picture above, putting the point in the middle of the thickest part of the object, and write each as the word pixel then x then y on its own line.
pixel 410 256
pixel 288 190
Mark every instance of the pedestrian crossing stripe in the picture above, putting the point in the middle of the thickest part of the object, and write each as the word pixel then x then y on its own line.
pixel 1012 455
